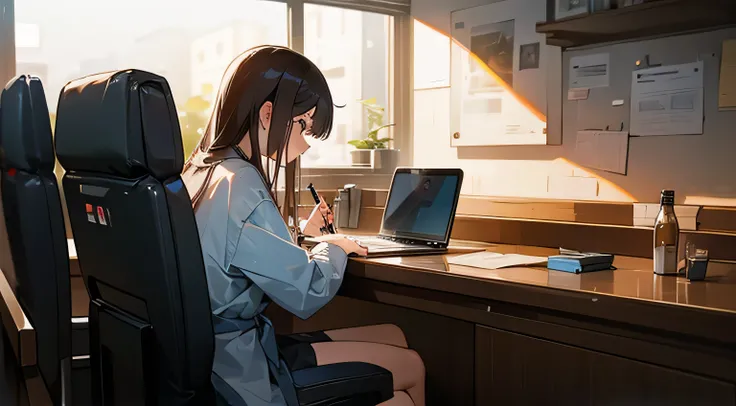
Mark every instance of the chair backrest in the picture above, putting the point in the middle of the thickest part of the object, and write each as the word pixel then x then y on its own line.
pixel 151 336
pixel 35 227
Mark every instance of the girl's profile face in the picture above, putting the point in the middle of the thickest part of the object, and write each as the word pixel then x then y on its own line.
pixel 301 129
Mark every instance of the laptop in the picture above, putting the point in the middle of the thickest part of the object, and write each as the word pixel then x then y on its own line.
pixel 419 213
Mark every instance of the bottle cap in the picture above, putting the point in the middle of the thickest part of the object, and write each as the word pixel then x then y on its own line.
pixel 668 197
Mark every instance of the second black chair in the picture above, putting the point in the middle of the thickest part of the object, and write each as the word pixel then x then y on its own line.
pixel 39 270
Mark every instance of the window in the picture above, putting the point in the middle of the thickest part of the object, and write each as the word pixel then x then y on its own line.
pixel 352 48
pixel 431 57
pixel 27 35
pixel 191 46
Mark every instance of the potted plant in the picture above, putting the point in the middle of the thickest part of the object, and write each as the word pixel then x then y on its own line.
pixel 372 150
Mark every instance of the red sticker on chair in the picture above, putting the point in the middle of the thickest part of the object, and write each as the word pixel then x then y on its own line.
pixel 101 215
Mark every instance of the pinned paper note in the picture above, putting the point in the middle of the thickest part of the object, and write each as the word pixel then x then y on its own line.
pixel 727 85
pixel 604 150
pixel 589 71
pixel 667 100
pixel 578 94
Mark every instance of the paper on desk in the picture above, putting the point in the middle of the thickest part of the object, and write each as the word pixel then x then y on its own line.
pixel 727 84
pixel 605 150
pixel 589 71
pixel 667 100
pixel 494 260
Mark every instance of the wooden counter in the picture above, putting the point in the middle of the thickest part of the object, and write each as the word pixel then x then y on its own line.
pixel 632 294
pixel 532 336
pixel 529 336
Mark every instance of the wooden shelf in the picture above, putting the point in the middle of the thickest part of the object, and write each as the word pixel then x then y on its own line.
pixel 654 18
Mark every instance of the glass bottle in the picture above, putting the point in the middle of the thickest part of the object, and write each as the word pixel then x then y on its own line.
pixel 666 236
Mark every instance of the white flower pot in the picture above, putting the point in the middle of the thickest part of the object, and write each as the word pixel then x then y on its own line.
pixel 375 158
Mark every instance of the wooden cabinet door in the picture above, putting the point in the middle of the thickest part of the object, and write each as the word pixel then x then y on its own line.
pixel 513 369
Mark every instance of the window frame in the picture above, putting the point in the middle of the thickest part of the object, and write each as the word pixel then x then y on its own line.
pixel 400 77
pixel 399 104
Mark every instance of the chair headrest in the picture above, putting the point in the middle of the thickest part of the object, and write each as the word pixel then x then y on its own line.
pixel 25 127
pixel 120 123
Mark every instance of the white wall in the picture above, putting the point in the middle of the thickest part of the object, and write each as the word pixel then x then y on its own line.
pixel 537 172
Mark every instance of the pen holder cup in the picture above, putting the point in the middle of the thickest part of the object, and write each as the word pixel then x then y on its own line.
pixel 347 207
pixel 696 263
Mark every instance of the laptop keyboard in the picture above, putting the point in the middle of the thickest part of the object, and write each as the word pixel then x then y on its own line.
pixel 378 242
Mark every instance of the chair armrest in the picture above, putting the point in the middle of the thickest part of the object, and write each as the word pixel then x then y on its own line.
pixel 347 380
pixel 20 331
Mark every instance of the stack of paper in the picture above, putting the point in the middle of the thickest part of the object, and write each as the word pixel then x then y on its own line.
pixel 494 260
pixel 646 213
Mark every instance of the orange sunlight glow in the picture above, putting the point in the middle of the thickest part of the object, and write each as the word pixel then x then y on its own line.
pixel 541 116
pixel 615 192
pixel 528 182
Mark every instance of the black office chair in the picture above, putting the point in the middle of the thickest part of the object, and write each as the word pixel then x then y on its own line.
pixel 35 228
pixel 152 340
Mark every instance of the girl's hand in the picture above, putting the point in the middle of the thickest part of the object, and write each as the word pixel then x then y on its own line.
pixel 320 217
pixel 349 245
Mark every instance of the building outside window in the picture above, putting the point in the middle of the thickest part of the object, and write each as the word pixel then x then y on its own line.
pixel 192 46
pixel 351 48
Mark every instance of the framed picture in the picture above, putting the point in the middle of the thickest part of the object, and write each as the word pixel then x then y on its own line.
pixel 493 45
pixel 569 8
pixel 529 56
pixel 498 75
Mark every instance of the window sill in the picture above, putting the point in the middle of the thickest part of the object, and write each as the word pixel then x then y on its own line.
pixel 335 177
pixel 336 167
pixel 346 169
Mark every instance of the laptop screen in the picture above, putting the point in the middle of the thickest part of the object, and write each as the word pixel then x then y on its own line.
pixel 421 204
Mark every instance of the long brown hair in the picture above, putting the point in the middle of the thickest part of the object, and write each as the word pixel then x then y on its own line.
pixel 293 84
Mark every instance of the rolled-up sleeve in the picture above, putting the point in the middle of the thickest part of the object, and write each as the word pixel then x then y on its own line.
pixel 284 271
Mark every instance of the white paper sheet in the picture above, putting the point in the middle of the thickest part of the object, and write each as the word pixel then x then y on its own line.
pixel 605 150
pixel 589 71
pixel 494 260
pixel 578 94
pixel 667 100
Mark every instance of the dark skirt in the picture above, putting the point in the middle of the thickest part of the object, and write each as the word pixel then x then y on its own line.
pixel 296 349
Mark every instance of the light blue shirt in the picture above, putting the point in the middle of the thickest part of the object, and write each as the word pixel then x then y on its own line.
pixel 249 254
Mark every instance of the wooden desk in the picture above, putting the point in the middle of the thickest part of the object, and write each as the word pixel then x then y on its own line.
pixel 533 336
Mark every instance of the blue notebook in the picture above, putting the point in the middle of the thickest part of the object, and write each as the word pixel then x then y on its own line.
pixel 579 262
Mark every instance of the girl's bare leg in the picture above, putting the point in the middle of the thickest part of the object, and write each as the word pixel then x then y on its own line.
pixel 405 365
pixel 400 399
pixel 380 333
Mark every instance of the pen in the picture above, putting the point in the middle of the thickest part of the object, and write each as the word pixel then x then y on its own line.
pixel 329 226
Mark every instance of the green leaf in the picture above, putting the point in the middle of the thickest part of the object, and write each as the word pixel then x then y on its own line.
pixel 382 127
pixel 372 100
pixel 384 140
pixel 360 144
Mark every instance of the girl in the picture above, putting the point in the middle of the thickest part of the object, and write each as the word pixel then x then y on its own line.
pixel 271 99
